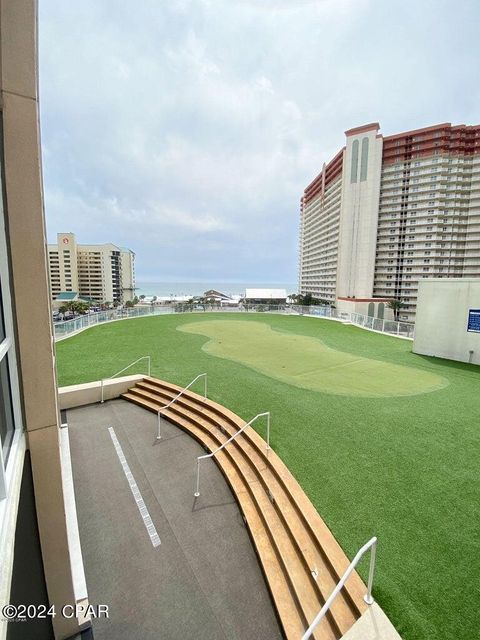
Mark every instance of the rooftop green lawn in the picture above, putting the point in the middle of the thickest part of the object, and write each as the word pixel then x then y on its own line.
pixel 384 442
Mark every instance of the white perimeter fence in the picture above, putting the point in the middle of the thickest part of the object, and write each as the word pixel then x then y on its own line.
pixel 391 327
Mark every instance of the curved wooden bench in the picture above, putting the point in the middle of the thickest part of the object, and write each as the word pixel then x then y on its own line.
pixel 301 560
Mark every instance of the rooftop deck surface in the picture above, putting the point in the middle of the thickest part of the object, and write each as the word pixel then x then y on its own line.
pixel 204 580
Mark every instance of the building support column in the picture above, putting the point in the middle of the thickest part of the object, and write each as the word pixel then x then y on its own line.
pixel 21 166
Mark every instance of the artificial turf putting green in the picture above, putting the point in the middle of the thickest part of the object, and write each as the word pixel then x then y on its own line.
pixel 308 362
pixel 402 468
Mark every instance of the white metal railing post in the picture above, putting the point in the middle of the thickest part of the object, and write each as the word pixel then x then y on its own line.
pixel 197 491
pixel 102 381
pixel 268 430
pixel 371 544
pixel 159 433
pixel 222 446
pixel 159 425
pixel 368 597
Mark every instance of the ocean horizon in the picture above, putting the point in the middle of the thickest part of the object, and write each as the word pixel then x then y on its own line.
pixel 162 289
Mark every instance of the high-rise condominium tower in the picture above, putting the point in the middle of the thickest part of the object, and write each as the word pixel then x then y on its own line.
pixel 386 212
pixel 102 272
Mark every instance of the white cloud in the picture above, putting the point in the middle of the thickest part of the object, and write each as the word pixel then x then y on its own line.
pixel 195 125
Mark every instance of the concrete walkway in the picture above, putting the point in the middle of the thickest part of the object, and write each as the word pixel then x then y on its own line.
pixel 372 625
pixel 203 581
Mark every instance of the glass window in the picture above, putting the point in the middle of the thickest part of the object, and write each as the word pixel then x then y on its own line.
pixel 10 416
pixel 6 410
pixel 2 321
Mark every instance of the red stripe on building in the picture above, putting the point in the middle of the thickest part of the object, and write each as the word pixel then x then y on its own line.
pixel 329 174
pixel 441 139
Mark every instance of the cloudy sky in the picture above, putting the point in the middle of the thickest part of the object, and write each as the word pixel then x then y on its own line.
pixel 188 129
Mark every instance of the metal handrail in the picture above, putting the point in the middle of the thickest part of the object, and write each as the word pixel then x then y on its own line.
pixel 371 544
pixel 210 455
pixel 201 375
pixel 124 369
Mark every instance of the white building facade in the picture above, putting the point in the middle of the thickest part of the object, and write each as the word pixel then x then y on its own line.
pixel 448 319
pixel 102 272
pixel 387 212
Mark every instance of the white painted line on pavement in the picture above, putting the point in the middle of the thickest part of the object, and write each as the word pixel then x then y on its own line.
pixel 147 520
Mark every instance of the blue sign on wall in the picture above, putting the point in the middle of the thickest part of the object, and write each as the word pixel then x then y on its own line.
pixel 474 320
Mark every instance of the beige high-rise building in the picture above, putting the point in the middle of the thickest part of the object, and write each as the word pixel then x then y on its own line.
pixel 102 272
pixel 388 212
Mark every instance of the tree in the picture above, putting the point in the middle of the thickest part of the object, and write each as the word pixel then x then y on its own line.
pixel 142 297
pixel 395 304
pixel 77 307
pixel 308 299
pixel 83 307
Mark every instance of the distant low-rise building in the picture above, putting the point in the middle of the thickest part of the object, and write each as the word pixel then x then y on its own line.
pixel 64 297
pixel 265 296
pixel 102 272
pixel 216 296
